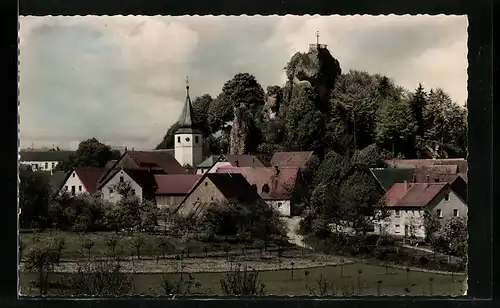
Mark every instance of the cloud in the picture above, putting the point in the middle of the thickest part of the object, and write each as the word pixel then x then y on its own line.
pixel 121 78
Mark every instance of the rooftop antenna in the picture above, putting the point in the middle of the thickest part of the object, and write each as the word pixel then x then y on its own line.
pixel 317 37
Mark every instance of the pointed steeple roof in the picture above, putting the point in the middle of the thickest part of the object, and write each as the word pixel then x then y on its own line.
pixel 186 119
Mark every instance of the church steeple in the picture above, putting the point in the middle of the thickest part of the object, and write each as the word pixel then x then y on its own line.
pixel 186 118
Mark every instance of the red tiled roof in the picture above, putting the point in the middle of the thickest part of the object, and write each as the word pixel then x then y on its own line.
pixel 291 159
pixel 233 186
pixel 461 163
pixel 280 186
pixel 89 177
pixel 157 160
pixel 175 184
pixel 244 160
pixel 429 173
pixel 412 194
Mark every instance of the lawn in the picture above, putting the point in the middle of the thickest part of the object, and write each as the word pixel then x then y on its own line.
pixel 280 282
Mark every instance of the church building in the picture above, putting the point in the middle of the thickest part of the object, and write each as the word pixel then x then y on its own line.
pixel 188 140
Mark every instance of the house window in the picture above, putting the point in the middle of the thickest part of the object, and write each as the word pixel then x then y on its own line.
pixel 396 227
pixel 455 212
pixel 110 190
pixel 279 204
pixel 187 139
pixel 439 213
pixel 132 192
pixel 436 180
pixel 212 198
pixel 397 213
pixel 198 198
pixel 196 139
pixel 121 179
pixel 46 165
pixel 66 188
pixel 206 183
pixel 73 190
pixel 53 165
pixel 447 197
pixel 178 139
pixel 265 189
pixel 73 175
pixel 80 188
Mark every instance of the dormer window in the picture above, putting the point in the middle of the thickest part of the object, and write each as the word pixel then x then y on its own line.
pixel 265 189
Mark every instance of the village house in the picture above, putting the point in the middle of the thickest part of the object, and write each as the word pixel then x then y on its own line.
pixel 43 160
pixel 173 188
pixel 407 202
pixel 157 162
pixel 217 187
pixel 278 187
pixel 81 181
pixel 426 167
pixel 141 181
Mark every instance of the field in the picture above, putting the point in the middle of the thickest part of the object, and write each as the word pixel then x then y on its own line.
pixel 280 282
pixel 208 263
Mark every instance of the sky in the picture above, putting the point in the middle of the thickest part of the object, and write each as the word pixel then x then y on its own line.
pixel 121 79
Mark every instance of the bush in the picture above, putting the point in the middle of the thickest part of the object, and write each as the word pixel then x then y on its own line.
pixel 181 287
pixel 242 282
pixel 256 221
pixel 101 278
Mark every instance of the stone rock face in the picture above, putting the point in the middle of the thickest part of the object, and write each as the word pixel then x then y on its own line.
pixel 317 68
pixel 240 130
pixel 274 106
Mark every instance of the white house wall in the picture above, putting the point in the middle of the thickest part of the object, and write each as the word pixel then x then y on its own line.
pixel 395 224
pixel 166 201
pixel 282 206
pixel 114 196
pixel 40 165
pixel 74 181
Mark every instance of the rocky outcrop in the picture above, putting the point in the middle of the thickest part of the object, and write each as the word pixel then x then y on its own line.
pixel 274 106
pixel 317 68
pixel 240 130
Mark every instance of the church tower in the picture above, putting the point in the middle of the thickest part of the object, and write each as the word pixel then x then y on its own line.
pixel 187 139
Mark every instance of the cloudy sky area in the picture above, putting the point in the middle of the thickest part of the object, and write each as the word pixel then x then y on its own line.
pixel 122 79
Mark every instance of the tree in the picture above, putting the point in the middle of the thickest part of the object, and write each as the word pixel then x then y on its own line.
pixel 304 122
pixel 361 202
pixel 111 242
pixel 445 125
pixel 454 233
pixel 149 216
pixel 34 198
pixel 90 153
pixel 42 258
pixel 88 243
pixel 396 128
pixel 168 139
pixel 137 242
pixel 417 106
pixel 431 224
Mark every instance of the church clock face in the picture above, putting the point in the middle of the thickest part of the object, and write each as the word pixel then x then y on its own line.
pixel 187 139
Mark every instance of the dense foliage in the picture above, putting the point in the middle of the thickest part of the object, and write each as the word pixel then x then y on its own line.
pixel 90 153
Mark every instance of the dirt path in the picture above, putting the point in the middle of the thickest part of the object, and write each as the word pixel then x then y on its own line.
pixel 292 224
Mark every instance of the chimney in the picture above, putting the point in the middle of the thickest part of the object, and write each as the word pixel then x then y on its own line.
pixel 276 170
pixel 237 163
